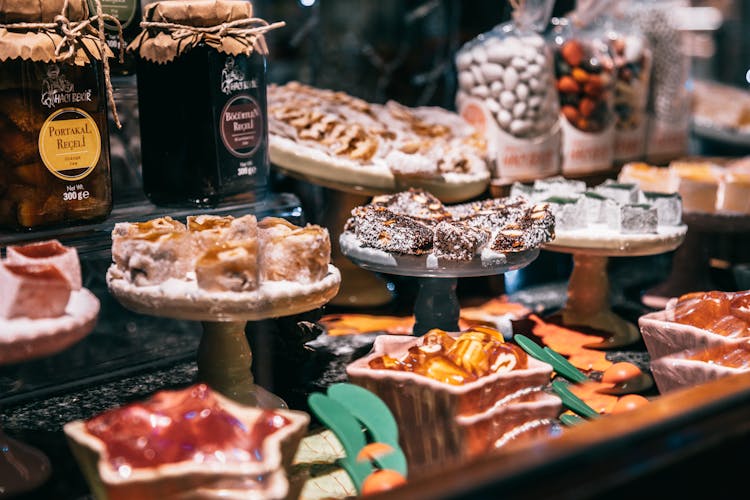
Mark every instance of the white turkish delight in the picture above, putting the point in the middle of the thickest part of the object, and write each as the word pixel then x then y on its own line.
pixel 668 207
pixel 560 186
pixel 623 194
pixel 569 212
pixel 638 218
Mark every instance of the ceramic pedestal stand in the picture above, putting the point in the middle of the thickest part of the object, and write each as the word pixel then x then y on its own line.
pixel 23 468
pixel 436 305
pixel 347 191
pixel 690 264
pixel 588 302
pixel 224 355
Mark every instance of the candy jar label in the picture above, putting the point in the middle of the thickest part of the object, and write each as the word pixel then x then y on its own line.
pixel 70 144
pixel 241 126
pixel 584 152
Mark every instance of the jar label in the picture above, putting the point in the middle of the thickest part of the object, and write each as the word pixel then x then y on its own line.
pixel 123 10
pixel 584 152
pixel 70 144
pixel 241 126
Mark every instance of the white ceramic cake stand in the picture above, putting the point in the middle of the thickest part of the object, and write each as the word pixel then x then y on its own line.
pixel 436 305
pixel 690 264
pixel 588 302
pixel 352 188
pixel 224 355
pixel 23 468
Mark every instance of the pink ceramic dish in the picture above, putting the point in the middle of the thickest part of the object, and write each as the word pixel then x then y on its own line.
pixel 678 371
pixel 219 475
pixel 663 336
pixel 441 423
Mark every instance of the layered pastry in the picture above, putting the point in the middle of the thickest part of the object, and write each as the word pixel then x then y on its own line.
pixel 229 266
pixel 212 230
pixel 696 321
pixel 414 222
pixel 291 253
pixel 342 139
pixel 475 391
pixel 697 366
pixel 698 184
pixel 187 443
pixel 43 307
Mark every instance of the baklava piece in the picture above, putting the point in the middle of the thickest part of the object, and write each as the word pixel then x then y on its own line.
pixel 50 252
pixel 458 241
pixel 292 253
pixel 210 230
pixel 229 267
pixel 151 252
pixel 378 227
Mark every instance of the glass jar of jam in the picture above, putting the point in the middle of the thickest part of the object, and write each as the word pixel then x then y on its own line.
pixel 128 13
pixel 202 102
pixel 54 148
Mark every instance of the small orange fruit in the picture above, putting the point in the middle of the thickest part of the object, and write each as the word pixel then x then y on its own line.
pixel 629 402
pixel 382 480
pixel 620 372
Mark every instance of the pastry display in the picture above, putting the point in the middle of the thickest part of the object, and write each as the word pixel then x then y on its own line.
pixel 190 442
pixel 697 320
pixel 228 263
pixel 721 106
pixel 43 307
pixel 697 366
pixel 473 390
pixel 608 209
pixel 705 187
pixel 342 139
pixel 415 223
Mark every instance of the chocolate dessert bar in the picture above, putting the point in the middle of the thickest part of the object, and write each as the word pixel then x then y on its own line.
pixel 458 240
pixel 415 203
pixel 378 227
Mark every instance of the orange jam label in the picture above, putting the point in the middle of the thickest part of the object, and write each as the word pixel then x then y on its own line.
pixel 70 144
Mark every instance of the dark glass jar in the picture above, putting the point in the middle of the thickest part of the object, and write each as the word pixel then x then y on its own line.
pixel 128 12
pixel 204 128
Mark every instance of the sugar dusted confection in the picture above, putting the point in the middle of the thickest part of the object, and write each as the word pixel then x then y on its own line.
pixel 49 252
pixel 638 218
pixel 151 252
pixel 32 291
pixel 378 227
pixel 230 266
pixel 668 207
pixel 292 253
pixel 458 240
pixel 211 230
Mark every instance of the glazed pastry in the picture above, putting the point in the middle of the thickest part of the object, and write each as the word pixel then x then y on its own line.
pixel 202 446
pixel 149 253
pixel 33 291
pixel 230 266
pixel 378 227
pixel 50 252
pixel 291 253
pixel 210 230
pixel 698 184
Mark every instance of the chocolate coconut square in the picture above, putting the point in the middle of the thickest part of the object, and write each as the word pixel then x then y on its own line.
pixel 458 241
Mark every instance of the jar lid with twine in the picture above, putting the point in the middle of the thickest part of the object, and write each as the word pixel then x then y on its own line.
pixel 57 31
pixel 172 28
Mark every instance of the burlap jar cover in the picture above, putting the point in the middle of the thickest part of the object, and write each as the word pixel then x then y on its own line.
pixel 172 28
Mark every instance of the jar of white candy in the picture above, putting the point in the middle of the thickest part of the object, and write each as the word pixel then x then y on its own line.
pixel 506 89
pixel 585 79
pixel 669 101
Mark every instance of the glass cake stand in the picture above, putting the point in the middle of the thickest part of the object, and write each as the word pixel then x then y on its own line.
pixel 224 356
pixel 436 305
pixel 690 264
pixel 588 302
pixel 346 191
pixel 23 468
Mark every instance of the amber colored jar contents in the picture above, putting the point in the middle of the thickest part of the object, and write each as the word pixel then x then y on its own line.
pixel 735 356
pixel 473 354
pixel 723 313
pixel 178 426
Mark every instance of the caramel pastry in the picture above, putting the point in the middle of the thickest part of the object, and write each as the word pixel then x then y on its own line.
pixel 229 267
pixel 378 227
pixel 458 240
pixel 50 252
pixel 291 253
pixel 33 291
pixel 416 203
pixel 211 230
pixel 154 251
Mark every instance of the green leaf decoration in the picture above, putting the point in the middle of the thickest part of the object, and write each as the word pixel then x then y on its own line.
pixel 573 402
pixel 573 373
pixel 347 430
pixel 571 420
pixel 375 415
pixel 558 362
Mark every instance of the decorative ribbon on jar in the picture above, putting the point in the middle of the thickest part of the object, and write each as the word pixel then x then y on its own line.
pixel 71 33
